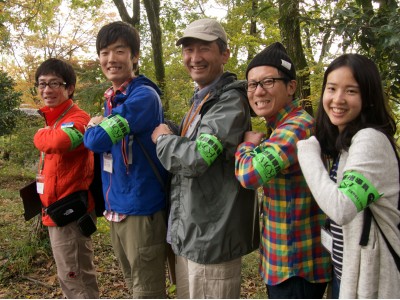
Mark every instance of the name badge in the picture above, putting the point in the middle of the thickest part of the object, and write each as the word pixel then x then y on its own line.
pixel 67 125
pixel 107 162
pixel 327 239
pixel 40 184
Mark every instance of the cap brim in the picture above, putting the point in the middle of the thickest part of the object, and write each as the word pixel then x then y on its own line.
pixel 198 36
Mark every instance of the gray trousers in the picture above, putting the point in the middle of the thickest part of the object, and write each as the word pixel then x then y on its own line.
pixel 73 253
pixel 212 281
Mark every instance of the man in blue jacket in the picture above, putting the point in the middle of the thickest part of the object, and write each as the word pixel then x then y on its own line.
pixel 134 197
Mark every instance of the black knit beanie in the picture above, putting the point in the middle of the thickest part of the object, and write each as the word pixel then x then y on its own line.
pixel 274 55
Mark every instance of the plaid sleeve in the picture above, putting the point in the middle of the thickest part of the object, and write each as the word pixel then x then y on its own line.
pixel 282 141
pixel 244 169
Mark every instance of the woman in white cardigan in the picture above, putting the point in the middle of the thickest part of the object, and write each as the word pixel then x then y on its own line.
pixel 352 169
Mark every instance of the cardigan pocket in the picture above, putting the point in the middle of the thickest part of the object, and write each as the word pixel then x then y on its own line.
pixel 369 267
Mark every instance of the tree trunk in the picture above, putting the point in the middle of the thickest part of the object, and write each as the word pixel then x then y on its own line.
pixel 253 28
pixel 123 12
pixel 136 13
pixel 153 15
pixel 289 26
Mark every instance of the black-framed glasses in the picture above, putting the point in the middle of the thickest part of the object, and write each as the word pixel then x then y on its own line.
pixel 52 84
pixel 266 83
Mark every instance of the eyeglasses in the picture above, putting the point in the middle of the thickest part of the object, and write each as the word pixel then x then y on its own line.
pixel 267 83
pixel 52 84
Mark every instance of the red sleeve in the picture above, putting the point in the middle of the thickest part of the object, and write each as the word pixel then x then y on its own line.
pixel 55 140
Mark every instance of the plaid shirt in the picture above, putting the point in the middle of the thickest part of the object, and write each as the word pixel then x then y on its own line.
pixel 113 216
pixel 291 227
pixel 110 93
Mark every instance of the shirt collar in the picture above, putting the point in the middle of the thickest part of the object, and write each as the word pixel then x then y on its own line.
pixel 273 121
pixel 122 89
pixel 200 94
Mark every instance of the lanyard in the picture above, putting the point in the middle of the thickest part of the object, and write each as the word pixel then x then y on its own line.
pixel 110 100
pixel 122 89
pixel 109 104
pixel 189 120
pixel 42 154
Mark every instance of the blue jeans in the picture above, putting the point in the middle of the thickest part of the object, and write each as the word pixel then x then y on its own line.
pixel 335 286
pixel 296 288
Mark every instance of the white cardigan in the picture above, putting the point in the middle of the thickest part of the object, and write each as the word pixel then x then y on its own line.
pixel 368 271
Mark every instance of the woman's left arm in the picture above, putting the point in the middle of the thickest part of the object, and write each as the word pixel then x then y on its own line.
pixel 360 181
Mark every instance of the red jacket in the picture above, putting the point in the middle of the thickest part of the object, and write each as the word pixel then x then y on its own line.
pixel 68 166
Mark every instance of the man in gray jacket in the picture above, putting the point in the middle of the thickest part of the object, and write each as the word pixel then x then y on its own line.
pixel 213 221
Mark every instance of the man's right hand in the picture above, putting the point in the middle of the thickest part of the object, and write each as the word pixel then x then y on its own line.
pixel 254 137
pixel 159 130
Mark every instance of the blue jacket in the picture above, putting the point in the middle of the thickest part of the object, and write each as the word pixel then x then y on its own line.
pixel 132 188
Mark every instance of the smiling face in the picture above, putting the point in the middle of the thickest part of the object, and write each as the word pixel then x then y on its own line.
pixel 117 63
pixel 342 98
pixel 267 102
pixel 53 97
pixel 203 61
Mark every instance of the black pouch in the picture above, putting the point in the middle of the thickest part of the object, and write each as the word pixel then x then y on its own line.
pixel 87 225
pixel 69 208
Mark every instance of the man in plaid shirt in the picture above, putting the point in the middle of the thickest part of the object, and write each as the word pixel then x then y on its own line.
pixel 293 262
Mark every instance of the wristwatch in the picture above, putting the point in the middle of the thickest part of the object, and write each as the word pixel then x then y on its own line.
pixel 159 137
pixel 90 125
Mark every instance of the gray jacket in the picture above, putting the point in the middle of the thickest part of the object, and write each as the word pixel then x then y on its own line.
pixel 368 271
pixel 212 218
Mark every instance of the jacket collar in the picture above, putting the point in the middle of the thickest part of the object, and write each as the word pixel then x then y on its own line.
pixel 51 114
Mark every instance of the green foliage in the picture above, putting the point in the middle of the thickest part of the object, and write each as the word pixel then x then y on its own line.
pixel 91 86
pixel 9 102
pixel 258 124
pixel 4 32
pixel 29 14
pixel 103 226
pixel 179 89
pixel 19 146
pixel 374 32
pixel 91 5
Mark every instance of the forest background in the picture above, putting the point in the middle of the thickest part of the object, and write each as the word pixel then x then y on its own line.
pixel 314 33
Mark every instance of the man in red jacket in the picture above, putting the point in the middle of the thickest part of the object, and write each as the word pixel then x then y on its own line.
pixel 65 167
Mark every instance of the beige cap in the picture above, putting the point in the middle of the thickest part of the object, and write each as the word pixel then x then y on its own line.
pixel 204 29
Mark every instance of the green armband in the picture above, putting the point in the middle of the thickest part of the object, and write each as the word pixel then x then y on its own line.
pixel 359 189
pixel 267 162
pixel 75 136
pixel 116 127
pixel 209 147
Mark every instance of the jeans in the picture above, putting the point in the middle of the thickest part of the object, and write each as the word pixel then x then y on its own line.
pixel 335 286
pixel 296 288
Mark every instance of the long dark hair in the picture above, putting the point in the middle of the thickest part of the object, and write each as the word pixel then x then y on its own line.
pixel 374 113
